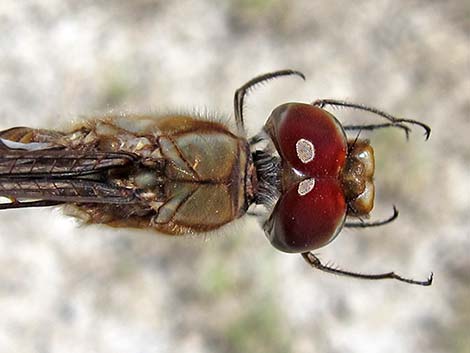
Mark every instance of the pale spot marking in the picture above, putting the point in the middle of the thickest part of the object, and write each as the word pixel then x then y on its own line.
pixel 306 186
pixel 305 150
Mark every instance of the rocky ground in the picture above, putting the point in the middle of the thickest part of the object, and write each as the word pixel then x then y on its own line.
pixel 65 287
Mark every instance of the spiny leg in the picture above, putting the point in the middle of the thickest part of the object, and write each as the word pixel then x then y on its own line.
pixel 371 127
pixel 339 103
pixel 315 262
pixel 241 93
pixel 364 224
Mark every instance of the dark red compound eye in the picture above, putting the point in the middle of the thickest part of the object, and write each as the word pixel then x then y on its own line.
pixel 309 138
pixel 308 216
pixel 313 147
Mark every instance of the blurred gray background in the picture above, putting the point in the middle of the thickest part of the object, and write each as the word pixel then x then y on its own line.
pixel 71 288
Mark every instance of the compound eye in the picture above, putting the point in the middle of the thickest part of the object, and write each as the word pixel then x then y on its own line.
pixel 308 216
pixel 309 138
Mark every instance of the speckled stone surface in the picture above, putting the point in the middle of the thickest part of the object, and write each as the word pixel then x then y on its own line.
pixel 69 288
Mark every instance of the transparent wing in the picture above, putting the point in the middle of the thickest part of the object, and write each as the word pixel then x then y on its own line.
pixel 44 174
pixel 55 162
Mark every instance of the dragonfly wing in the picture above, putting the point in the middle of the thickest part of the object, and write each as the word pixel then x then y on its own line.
pixel 46 192
pixel 43 160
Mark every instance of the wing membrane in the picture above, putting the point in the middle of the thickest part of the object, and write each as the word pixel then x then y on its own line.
pixel 64 190
pixel 43 174
pixel 57 162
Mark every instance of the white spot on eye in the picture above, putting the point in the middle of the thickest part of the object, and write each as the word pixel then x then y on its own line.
pixel 306 186
pixel 305 150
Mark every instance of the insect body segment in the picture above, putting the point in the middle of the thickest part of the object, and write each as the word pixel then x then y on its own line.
pixel 156 176
pixel 181 174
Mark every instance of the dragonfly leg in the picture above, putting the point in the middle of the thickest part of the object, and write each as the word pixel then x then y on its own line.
pixel 315 262
pixel 242 92
pixel 363 224
pixel 371 127
pixel 394 121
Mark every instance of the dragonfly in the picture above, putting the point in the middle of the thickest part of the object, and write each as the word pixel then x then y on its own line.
pixel 185 174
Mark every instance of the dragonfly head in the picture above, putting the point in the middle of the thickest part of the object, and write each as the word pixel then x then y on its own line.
pixel 323 177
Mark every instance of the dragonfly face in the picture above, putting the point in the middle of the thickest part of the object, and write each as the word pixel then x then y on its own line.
pixel 313 148
pixel 324 177
pixel 180 174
